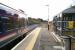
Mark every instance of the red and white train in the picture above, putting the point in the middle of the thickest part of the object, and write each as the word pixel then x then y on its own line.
pixel 12 23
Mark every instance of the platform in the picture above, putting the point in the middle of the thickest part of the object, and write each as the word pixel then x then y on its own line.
pixel 47 41
pixel 39 39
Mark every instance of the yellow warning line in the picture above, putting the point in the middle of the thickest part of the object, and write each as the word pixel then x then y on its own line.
pixel 33 40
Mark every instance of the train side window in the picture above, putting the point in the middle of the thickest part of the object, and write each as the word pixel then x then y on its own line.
pixel 4 23
pixel 73 17
pixel 0 25
pixel 10 23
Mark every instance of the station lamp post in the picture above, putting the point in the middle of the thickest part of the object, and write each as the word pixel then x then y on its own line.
pixel 48 15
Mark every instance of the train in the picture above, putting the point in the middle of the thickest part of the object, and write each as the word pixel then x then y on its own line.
pixel 13 23
pixel 64 22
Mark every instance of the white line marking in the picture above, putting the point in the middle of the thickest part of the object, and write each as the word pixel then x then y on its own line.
pixel 56 37
pixel 59 47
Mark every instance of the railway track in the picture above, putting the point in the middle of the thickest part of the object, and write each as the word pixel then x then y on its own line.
pixel 10 44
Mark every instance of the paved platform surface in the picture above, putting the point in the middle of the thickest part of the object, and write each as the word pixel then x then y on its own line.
pixel 46 41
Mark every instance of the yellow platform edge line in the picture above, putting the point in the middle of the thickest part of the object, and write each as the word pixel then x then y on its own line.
pixel 32 42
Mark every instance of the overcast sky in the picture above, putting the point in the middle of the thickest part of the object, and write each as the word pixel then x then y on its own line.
pixel 38 8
